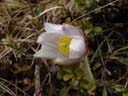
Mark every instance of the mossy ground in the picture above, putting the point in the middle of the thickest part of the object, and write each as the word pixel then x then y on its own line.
pixel 21 22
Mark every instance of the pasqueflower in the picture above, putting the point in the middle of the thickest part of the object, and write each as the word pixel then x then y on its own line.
pixel 64 44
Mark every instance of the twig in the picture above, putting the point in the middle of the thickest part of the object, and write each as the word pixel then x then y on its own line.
pixel 47 10
pixel 37 81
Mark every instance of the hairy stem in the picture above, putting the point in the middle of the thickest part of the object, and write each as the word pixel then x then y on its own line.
pixel 89 76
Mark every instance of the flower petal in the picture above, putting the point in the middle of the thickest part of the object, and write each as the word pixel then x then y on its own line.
pixel 77 48
pixel 65 61
pixel 45 38
pixel 48 52
pixel 74 55
pixel 72 31
pixel 49 27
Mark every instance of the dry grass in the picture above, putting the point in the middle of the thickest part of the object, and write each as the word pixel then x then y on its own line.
pixel 21 22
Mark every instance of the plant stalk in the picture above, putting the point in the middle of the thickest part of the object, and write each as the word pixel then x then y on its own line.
pixel 37 81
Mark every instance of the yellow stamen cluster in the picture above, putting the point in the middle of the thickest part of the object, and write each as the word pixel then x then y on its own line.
pixel 63 45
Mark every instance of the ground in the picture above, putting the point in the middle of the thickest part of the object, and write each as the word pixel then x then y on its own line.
pixel 104 23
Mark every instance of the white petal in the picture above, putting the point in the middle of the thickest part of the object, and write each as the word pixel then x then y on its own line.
pixel 74 54
pixel 45 38
pixel 48 52
pixel 49 27
pixel 71 31
pixel 77 48
pixel 65 61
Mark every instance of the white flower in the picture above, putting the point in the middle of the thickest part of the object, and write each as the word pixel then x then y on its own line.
pixel 64 44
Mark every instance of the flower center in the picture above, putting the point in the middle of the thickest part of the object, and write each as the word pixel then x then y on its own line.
pixel 63 44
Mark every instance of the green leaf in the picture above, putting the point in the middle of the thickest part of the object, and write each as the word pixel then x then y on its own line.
pixel 119 88
pixel 80 1
pixel 89 86
pixel 124 61
pixel 38 10
pixel 64 91
pixel 67 77
pixel 104 92
pixel 86 24
pixel 60 74
pixel 75 81
pixel 97 29
pixel 68 20
pixel 79 73
pixel 121 49
pixel 96 66
pixel 51 91
pixel 68 69
pixel 125 94
pixel 84 83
